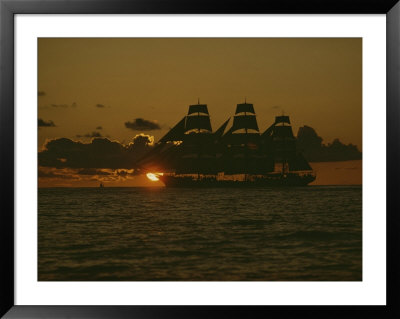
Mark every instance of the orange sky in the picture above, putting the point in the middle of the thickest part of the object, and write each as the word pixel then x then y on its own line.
pixel 315 81
pixel 87 83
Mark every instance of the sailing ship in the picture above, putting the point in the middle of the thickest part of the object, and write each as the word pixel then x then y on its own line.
pixel 192 155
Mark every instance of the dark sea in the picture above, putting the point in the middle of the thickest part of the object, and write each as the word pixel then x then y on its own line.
pixel 309 233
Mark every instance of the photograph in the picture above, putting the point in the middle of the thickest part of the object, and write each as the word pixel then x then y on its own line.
pixel 200 159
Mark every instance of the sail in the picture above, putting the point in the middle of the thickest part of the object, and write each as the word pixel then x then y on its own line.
pixel 268 132
pixel 198 108
pixel 196 159
pixel 197 165
pixel 279 140
pixel 169 159
pixel 282 119
pixel 228 133
pixel 250 139
pixel 197 154
pixel 299 163
pixel 176 133
pixel 150 156
pixel 198 122
pixel 245 122
pixel 245 107
pixel 283 132
pixel 241 160
pixel 218 133
pixel 159 158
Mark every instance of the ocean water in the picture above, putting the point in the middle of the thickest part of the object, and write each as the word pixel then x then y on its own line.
pixel 143 234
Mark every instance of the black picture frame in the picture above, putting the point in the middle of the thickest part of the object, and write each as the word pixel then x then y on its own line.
pixel 8 8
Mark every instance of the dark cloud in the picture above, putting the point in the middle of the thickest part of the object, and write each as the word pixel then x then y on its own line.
pixel 43 123
pixel 64 175
pixel 311 145
pixel 54 173
pixel 47 174
pixel 93 134
pixel 100 105
pixel 92 171
pixel 126 173
pixel 74 104
pixel 41 93
pixel 141 141
pixel 99 128
pixel 122 173
pixel 59 105
pixel 99 153
pixel 140 124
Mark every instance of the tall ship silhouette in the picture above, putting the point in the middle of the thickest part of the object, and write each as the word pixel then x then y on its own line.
pixel 235 155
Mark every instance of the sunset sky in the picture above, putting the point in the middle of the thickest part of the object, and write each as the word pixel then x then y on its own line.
pixel 99 87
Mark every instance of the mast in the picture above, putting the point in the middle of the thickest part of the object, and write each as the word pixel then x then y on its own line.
pixel 198 113
pixel 197 142
pixel 283 141
pixel 240 156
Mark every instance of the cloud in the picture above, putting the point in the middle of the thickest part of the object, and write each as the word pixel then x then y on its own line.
pixel 122 173
pixel 59 105
pixel 50 173
pixel 126 173
pixel 43 123
pixel 100 153
pixel 66 176
pixel 314 150
pixel 41 93
pixel 100 105
pixel 140 124
pixel 99 128
pixel 74 104
pixel 92 171
pixel 93 134
pixel 142 140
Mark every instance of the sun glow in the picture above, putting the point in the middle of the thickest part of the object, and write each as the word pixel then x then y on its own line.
pixel 153 176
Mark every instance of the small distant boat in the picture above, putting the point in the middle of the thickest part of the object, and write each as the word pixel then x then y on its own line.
pixel 101 185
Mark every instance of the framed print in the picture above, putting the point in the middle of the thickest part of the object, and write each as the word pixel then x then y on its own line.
pixel 166 159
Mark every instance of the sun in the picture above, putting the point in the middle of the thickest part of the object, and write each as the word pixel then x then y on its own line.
pixel 153 176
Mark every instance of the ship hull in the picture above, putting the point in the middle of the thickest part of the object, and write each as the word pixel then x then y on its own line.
pixel 268 181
